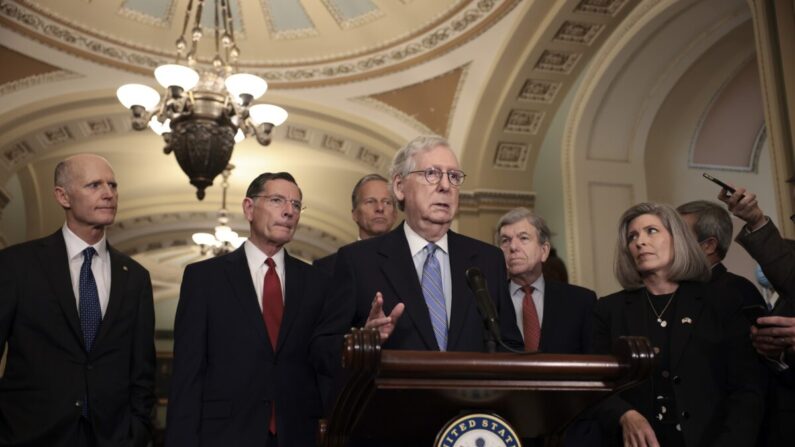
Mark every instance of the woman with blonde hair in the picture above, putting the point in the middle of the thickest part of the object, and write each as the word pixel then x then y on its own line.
pixel 707 385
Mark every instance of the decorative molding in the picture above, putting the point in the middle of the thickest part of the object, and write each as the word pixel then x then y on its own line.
pixel 371 157
pixel 557 61
pixel 146 19
pixel 286 34
pixel 35 80
pixel 601 7
pixel 55 135
pixel 18 154
pixel 578 32
pixel 462 26
pixel 93 127
pixel 296 133
pixel 485 199
pixel 349 23
pixel 335 144
pixel 511 156
pixel 540 90
pixel 524 121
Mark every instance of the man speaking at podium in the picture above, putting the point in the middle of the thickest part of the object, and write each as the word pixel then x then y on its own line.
pixel 410 283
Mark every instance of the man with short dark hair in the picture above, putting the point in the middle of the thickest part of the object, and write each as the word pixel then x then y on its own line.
pixel 373 210
pixel 78 317
pixel 252 360
pixel 712 226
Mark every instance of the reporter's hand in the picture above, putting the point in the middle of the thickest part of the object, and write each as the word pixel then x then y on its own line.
pixel 637 430
pixel 377 319
pixel 779 337
pixel 744 205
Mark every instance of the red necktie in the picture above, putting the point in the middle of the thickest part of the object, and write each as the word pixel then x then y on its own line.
pixel 272 311
pixel 530 323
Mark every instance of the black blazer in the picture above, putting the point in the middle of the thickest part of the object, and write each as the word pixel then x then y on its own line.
pixel 731 281
pixel 226 374
pixel 48 372
pixel 717 379
pixel 384 264
pixel 568 312
pixel 326 263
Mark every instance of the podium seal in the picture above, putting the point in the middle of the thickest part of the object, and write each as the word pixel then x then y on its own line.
pixel 477 430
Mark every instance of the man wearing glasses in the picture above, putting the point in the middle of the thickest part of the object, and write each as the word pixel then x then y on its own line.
pixel 249 354
pixel 373 210
pixel 410 283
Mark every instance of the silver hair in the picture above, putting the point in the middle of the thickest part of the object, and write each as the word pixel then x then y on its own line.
pixel 689 262
pixel 516 215
pixel 712 220
pixel 404 162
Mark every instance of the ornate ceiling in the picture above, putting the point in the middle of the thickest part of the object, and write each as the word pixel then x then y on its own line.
pixel 358 77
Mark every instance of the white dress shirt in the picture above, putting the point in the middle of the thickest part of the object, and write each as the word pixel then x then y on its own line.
pixel 416 246
pixel 257 267
pixel 517 296
pixel 100 266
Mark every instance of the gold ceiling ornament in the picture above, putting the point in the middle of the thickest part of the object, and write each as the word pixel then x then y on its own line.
pixel 204 110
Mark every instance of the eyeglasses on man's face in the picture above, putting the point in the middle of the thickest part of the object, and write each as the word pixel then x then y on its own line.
pixel 434 175
pixel 278 201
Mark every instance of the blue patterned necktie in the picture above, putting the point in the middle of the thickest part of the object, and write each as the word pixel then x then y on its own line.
pixel 434 296
pixel 90 312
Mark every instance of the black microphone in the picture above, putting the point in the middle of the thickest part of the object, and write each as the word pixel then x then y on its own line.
pixel 477 283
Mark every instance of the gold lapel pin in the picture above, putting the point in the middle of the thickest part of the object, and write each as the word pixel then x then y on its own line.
pixel 687 320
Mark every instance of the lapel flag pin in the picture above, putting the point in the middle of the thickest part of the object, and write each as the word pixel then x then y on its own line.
pixel 687 320
pixel 124 267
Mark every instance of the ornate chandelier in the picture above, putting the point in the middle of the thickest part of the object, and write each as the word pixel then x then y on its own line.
pixel 223 239
pixel 202 114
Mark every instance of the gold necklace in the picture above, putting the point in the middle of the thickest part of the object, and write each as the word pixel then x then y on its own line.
pixel 662 322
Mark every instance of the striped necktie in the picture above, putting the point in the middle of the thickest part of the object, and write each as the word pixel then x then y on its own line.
pixel 434 295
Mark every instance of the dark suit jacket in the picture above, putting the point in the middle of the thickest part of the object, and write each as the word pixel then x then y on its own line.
pixel 730 281
pixel 384 264
pixel 326 263
pixel 568 312
pixel 48 372
pixel 717 379
pixel 226 374
pixel 777 259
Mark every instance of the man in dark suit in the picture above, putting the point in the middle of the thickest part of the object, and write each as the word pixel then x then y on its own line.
pixel 420 266
pixel 78 317
pixel 553 317
pixel 373 210
pixel 712 226
pixel 251 363
pixel 776 342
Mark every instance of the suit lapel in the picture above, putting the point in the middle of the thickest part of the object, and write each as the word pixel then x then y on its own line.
pixel 294 296
pixel 398 268
pixel 461 257
pixel 119 273
pixel 55 262
pixel 688 306
pixel 245 294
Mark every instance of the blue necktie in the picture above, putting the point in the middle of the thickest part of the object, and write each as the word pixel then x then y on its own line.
pixel 90 312
pixel 434 296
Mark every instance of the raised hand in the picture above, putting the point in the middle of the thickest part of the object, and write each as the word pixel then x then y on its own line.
pixel 377 319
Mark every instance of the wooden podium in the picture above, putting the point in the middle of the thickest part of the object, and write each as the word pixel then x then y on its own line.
pixel 411 395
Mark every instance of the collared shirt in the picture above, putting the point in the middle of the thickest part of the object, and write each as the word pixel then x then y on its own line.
pixel 257 267
pixel 418 255
pixel 517 296
pixel 100 266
